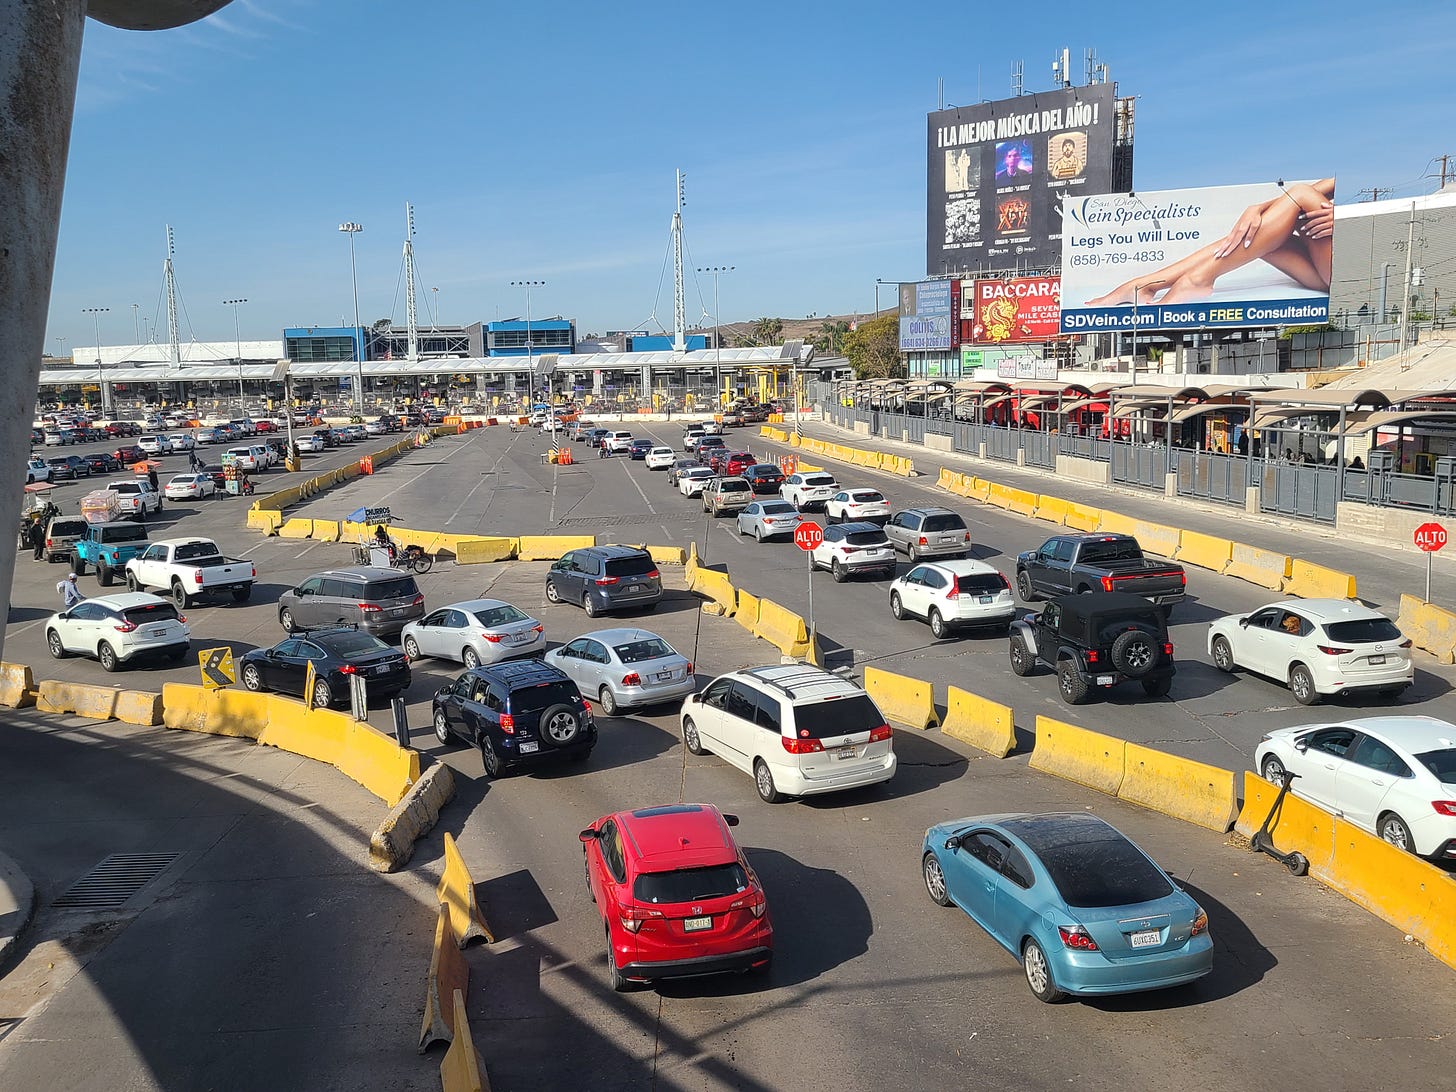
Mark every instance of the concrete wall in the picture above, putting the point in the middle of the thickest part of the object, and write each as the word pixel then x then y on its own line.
pixel 1395 525
pixel 1084 470
pixel 936 442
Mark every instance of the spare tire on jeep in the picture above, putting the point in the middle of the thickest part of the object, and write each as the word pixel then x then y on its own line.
pixel 560 725
pixel 1135 653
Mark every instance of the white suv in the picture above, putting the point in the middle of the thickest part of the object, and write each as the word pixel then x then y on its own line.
pixel 796 729
pixel 809 490
pixel 618 441
pixel 119 629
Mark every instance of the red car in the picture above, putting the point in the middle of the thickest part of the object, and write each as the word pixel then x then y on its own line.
pixel 128 454
pixel 723 460
pixel 677 895
pixel 265 426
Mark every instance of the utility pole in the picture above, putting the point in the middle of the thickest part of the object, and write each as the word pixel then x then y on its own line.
pixel 530 347
pixel 1374 192
pixel 238 334
pixel 352 229
pixel 1410 250
pixel 412 327
pixel 96 313
pixel 716 270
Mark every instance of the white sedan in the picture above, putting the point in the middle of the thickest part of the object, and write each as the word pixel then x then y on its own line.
pixel 692 481
pixel 182 441
pixel 1392 776
pixel 189 487
pixel 1316 646
pixel 948 594
pixel 660 458
pixel 310 443
pixel 474 632
pixel 848 505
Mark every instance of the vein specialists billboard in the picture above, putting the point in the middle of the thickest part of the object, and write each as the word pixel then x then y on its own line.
pixel 998 173
pixel 1218 257
pixel 925 315
pixel 1016 309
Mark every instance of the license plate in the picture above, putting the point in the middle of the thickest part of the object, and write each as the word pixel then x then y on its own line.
pixel 1147 938
pixel 1104 680
pixel 694 925
pixel 948 538
pixel 664 676
pixel 530 748
pixel 397 611
pixel 845 752
pixel 1377 660
pixel 380 669
pixel 163 633
pixel 519 637
pixel 634 587
pixel 985 599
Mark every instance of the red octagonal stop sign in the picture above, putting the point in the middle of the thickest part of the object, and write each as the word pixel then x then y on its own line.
pixel 1430 537
pixel 808 535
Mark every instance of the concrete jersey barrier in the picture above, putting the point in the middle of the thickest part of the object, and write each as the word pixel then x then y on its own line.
pixel 1428 626
pixel 1310 581
pixel 973 719
pixel 1078 754
pixel 901 698
pixel 1192 791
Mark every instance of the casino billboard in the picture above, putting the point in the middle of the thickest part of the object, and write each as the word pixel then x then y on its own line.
pixel 1017 309
pixel 998 173
pixel 1219 257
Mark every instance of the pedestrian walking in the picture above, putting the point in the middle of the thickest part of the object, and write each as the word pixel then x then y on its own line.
pixel 69 592
pixel 152 475
pixel 37 534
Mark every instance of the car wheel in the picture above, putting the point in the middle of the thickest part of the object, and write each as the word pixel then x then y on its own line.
pixel 107 655
pixel 251 679
pixel 323 696
pixel 470 657
pixel 131 582
pixel 608 701
pixel 1070 681
pixel 560 725
pixel 79 564
pixel 179 594
pixel 691 740
pixel 442 727
pixel 1301 684
pixel 490 758
pixel 614 975
pixel 1023 663
pixel 758 535
pixel 938 626
pixel 1039 973
pixel 1393 830
pixel 764 782
pixel 1223 655
pixel 934 880
pixel 1159 687
pixel 285 619
pixel 1272 770
pixel 589 605
pixel 897 608
pixel 411 648
pixel 54 645
pixel 838 571
pixel 103 575
pixel 1024 588
pixel 913 554
pixel 552 595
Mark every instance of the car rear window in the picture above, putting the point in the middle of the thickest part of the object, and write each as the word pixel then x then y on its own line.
pixel 353 644
pixel 733 485
pixel 1095 553
pixel 697 472
pixel 837 717
pixel 866 538
pixel 818 479
pixel 402 587
pixel 979 583
pixel 635 652
pixel 777 508
pixel 1109 871
pixel 640 565
pixel 1440 763
pixel 533 699
pixel 947 521
pixel 764 468
pixel 1364 629
pixel 503 615
pixel 150 612
pixel 866 496
pixel 691 884
pixel 189 551
pixel 67 527
pixel 134 533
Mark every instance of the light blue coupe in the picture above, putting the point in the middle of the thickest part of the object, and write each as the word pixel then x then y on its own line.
pixel 1084 909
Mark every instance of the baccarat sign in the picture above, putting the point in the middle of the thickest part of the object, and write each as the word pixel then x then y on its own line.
pixel 1017 309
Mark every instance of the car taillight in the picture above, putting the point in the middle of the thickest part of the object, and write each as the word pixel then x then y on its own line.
pixel 255 572
pixel 51 542
pixel 690 667
pixel 538 629
pixel 508 724
pixel 1334 650
pixel 493 638
pixel 924 541
pixel 954 592
pixel 759 907
pixel 418 601
pixel 1107 583
pixel 883 732
pixel 653 574
pixel 802 746
pixel 126 627
pixel 631 679
pixel 1183 579
pixel 369 608
pixel 182 618
pixel 1445 807
pixel 197 576
pixel 1200 923
pixel 348 669
pixel 968 539
pixel 1167 648
pixel 1006 584
pixel 632 917
pixel 1091 655
pixel 1405 644
pixel 607 581
pixel 1077 939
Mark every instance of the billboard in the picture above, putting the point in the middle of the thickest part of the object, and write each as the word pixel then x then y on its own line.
pixel 1217 257
pixel 998 173
pixel 925 316
pixel 1015 309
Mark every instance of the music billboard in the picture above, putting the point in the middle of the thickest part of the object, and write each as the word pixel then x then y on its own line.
pixel 998 173
pixel 1217 257
pixel 1015 309
pixel 925 316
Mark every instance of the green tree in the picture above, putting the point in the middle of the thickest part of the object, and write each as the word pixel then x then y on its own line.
pixel 830 338
pixel 873 349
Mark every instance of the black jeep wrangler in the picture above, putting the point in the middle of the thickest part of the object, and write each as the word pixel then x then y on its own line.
pixel 1094 640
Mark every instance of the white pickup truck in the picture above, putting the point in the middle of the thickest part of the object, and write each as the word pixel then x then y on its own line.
pixel 190 568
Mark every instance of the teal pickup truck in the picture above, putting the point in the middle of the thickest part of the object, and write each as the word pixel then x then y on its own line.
pixel 107 547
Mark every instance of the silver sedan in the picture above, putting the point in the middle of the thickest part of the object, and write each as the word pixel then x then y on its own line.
pixel 625 668
pixel 769 518
pixel 475 632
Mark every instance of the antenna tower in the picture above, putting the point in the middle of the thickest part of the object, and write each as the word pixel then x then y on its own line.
pixel 411 319
pixel 679 294
pixel 173 331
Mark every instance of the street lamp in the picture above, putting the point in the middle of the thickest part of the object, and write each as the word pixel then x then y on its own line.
pixel 351 229
pixel 135 327
pixel 238 333
pixel 96 313
pixel 530 359
pixel 717 270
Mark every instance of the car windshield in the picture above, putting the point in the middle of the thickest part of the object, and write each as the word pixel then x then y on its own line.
pixel 354 644
pixel 1440 763
pixel 979 583
pixel 535 698
pixel 1360 630
pixel 1096 553
pixel 638 565
pixel 190 551
pixel 635 652
pixel 837 717
pixel 866 538
pixel 502 615
pixel 777 508
pixel 691 884
pixel 150 612
pixel 1103 871
pixel 129 533
pixel 947 521
pixel 400 588
pixel 818 479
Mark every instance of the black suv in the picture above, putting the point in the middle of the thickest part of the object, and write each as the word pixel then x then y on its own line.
pixel 603 578
pixel 517 713
pixel 1095 640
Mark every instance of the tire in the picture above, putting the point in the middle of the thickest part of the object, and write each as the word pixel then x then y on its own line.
pixel 934 877
pixel 897 608
pixel 54 646
pixel 469 657
pixel 614 976
pixel 691 740
pixel 251 679
pixel 1074 688
pixel 1301 685
pixel 78 563
pixel 285 619
pixel 608 701
pixel 838 571
pixel 560 726
pixel 1039 974
pixel 758 535
pixel 1024 587
pixel 589 605
pixel 1159 687
pixel 442 728
pixel 1272 770
pixel 490 759
pixel 1392 829
pixel 1135 653
pixel 243 594
pixel 1223 655
pixel 179 594
pixel 411 649
pixel 107 655
pixel 938 628
pixel 104 575
pixel 552 595
pixel 763 781
pixel 1023 663
pixel 912 555
pixel 323 696
pixel 422 563
pixel 131 582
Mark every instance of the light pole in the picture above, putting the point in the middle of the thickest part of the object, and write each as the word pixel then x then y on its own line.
pixel 135 328
pixel 530 348
pixel 62 353
pixel 351 229
pixel 96 313
pixel 238 333
pixel 717 270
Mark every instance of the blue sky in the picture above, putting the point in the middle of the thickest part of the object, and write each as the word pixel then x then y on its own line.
pixel 540 141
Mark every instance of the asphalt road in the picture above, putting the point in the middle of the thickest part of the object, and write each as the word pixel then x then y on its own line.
pixel 873 986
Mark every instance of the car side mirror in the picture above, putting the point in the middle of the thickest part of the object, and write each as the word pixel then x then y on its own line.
pixel 1243 623
pixel 1301 745
pixel 589 835
pixel 695 698
pixel 953 842
pixel 731 820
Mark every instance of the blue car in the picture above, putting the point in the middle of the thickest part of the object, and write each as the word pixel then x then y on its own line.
pixel 1084 909
pixel 640 447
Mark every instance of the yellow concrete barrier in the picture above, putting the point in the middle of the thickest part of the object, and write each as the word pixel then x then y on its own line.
pixel 998 495
pixel 378 762
pixel 296 528
pixel 1265 568
pixel 17 686
pixel 946 479
pixel 668 555
pixel 783 629
pixel 973 719
pixel 139 707
pixel 319 734
pixel 1298 825
pixel 1052 509
pixel 1023 503
pixel 393 841
pixel 809 468
pixel 462 1069
pixel 239 713
pixel 1082 517
pixel 1115 523
pixel 691 568
pixel 1428 626
pixel 901 698
pixel 1077 754
pixel 456 894
pixel 476 550
pixel 260 519
pixel 448 973
pixel 1310 581
pixel 1192 791
pixel 978 489
pixel 1205 551
pixel 326 530
pixel 1157 538
pixel 746 611
pixel 550 547
pixel 93 702
pixel 717 587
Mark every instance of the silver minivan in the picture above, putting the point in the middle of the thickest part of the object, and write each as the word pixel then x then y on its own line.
pixel 929 532
pixel 378 600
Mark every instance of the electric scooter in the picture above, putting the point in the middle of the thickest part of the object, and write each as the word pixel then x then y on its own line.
pixel 1263 841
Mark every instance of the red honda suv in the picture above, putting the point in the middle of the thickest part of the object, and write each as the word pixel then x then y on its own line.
pixel 676 893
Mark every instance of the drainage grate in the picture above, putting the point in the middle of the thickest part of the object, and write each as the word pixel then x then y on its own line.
pixel 114 880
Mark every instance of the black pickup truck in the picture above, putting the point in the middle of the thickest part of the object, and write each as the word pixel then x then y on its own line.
pixel 1097 562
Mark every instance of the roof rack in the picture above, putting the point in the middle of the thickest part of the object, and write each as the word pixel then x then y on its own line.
pixel 786 682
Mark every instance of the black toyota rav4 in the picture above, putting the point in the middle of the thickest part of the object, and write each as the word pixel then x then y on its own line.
pixel 1096 640
pixel 518 713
